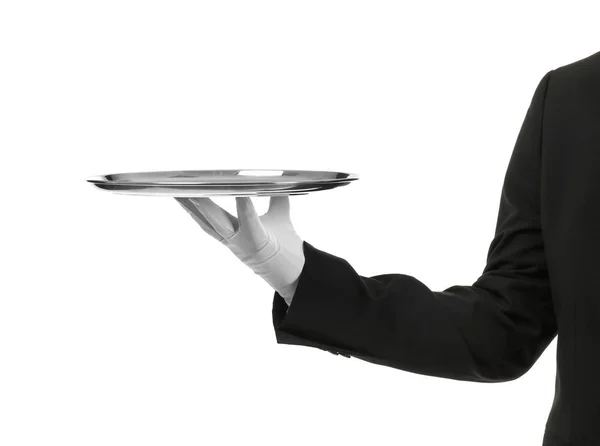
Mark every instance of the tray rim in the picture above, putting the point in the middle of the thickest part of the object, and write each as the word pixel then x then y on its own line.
pixel 253 193
pixel 101 179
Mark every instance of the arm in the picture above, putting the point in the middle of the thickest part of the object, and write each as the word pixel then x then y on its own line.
pixel 491 331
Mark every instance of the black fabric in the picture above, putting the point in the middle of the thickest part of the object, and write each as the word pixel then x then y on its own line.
pixel 542 276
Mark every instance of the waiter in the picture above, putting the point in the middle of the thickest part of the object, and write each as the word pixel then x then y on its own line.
pixel 542 276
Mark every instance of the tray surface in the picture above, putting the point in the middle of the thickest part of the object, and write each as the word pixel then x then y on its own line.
pixel 241 182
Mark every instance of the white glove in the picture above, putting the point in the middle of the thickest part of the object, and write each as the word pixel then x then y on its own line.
pixel 268 244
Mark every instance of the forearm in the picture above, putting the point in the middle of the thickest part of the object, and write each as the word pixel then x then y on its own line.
pixel 463 332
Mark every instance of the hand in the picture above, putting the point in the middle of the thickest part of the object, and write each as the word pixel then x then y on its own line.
pixel 268 244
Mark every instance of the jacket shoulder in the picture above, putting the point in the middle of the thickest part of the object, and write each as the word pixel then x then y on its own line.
pixel 588 67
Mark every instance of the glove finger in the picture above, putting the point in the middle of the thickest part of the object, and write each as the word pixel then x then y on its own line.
pixel 222 221
pixel 250 221
pixel 279 205
pixel 198 217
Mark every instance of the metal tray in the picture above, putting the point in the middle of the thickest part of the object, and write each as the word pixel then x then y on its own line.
pixel 204 183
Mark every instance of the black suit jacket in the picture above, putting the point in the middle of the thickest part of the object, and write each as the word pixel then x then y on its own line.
pixel 542 276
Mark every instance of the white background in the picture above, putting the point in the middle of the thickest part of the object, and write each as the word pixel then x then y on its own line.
pixel 123 323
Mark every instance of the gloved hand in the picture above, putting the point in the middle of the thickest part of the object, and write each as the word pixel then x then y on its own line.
pixel 268 244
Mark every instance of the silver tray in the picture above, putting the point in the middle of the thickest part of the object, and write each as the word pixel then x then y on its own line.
pixel 204 183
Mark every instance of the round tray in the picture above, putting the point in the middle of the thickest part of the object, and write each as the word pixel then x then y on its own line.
pixel 204 183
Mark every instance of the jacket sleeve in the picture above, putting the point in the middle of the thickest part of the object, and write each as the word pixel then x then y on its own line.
pixel 491 331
